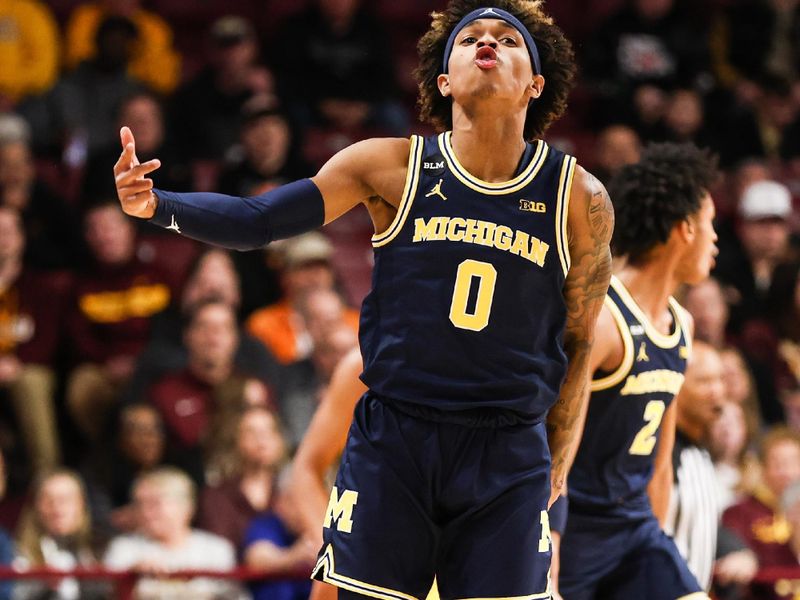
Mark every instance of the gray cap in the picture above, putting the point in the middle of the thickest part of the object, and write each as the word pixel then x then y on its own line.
pixel 231 28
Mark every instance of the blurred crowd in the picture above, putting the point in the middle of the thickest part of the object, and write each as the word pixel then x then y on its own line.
pixel 153 391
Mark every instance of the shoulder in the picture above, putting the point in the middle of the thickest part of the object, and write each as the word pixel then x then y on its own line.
pixel 382 150
pixel 590 208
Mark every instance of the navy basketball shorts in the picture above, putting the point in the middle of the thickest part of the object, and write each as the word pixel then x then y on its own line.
pixel 610 558
pixel 416 498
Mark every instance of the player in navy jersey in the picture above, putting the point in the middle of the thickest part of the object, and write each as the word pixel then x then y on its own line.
pixel 491 263
pixel 619 486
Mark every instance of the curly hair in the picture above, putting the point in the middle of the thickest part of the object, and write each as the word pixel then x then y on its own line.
pixel 555 52
pixel 651 196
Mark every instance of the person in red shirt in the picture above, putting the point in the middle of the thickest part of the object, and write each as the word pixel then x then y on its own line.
pixel 110 316
pixel 195 400
pixel 758 519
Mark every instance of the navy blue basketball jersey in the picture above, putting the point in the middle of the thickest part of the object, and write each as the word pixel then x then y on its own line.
pixel 615 459
pixel 466 308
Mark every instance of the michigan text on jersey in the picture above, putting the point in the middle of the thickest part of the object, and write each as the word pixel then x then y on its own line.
pixel 659 380
pixel 485 233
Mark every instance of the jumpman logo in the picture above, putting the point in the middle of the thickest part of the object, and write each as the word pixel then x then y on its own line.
pixel 642 354
pixel 437 191
pixel 174 225
pixel 488 11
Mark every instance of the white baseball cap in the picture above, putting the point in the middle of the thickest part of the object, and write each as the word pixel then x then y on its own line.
pixel 765 200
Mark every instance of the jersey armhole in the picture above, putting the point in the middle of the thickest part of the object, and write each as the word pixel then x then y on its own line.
pixel 409 191
pixel 683 322
pixel 624 368
pixel 562 211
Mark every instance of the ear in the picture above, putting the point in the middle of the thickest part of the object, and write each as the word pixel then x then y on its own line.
pixel 443 83
pixel 536 87
pixel 685 230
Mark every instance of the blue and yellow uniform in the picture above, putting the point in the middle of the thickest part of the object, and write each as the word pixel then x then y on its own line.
pixel 613 546
pixel 446 468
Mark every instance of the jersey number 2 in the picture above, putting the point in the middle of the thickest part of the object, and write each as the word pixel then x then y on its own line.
pixel 645 440
pixel 478 317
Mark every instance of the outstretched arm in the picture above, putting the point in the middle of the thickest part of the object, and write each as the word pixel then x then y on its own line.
pixel 369 168
pixel 590 225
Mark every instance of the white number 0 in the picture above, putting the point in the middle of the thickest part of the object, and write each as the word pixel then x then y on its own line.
pixel 487 277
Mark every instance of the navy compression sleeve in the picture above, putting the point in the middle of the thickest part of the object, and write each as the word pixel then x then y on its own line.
pixel 242 223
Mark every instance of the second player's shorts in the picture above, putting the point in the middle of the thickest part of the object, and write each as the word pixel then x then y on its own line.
pixel 610 558
pixel 416 497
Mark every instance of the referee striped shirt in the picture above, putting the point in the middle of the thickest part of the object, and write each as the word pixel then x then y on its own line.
pixel 693 517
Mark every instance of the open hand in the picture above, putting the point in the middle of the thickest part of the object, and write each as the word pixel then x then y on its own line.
pixel 135 191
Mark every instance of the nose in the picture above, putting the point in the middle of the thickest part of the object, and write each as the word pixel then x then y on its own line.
pixel 487 40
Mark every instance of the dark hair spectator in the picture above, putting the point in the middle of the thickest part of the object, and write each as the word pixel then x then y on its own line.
pixel 154 61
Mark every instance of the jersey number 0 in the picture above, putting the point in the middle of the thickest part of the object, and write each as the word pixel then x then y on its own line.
pixel 486 276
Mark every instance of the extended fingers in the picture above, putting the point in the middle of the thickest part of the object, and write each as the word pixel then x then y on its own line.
pixel 125 176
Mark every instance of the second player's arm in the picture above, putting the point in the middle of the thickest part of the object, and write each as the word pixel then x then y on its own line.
pixel 323 443
pixel 660 487
pixel 362 171
pixel 590 225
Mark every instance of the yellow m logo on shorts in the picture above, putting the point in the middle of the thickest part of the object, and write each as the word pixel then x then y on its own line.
pixel 340 509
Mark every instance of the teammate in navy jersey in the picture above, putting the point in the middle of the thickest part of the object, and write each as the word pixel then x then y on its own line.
pixel 619 486
pixel 491 263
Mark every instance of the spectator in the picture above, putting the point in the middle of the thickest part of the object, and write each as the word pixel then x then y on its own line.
pixel 727 442
pixel 754 37
pixel 706 303
pixel 762 128
pixel 784 308
pixel 764 210
pixel 248 468
pixel 165 503
pixel 307 266
pixel 56 532
pixel 790 504
pixel 340 71
pixel 28 50
pixel 217 95
pixel 616 146
pixel 270 156
pixel 306 380
pixel 791 407
pixel 31 309
pixel 52 232
pixel 684 119
pixel 143 113
pixel 136 445
pixel 6 543
pixel 191 399
pixel 644 50
pixel 740 388
pixel 758 519
pixel 694 510
pixel 115 298
pixel 211 277
pixel 272 545
pixel 78 115
pixel 154 60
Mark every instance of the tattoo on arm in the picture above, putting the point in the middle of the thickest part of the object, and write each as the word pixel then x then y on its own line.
pixel 584 291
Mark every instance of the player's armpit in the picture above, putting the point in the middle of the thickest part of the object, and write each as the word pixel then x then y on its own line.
pixel 590 225
pixel 374 167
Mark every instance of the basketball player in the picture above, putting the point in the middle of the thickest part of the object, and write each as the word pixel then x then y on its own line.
pixel 480 319
pixel 613 545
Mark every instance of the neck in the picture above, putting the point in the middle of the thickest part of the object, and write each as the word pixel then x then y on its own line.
pixel 651 284
pixel 693 431
pixel 9 272
pixel 175 538
pixel 488 147
pixel 255 471
pixel 210 373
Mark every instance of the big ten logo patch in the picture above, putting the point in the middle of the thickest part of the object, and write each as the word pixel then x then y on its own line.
pixel 531 206
pixel 433 165
pixel 340 510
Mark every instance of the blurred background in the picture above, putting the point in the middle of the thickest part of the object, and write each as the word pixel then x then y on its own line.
pixel 129 354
